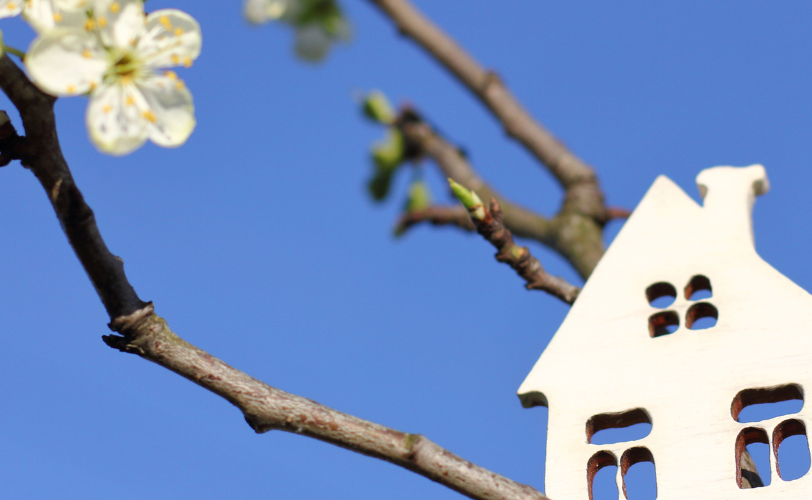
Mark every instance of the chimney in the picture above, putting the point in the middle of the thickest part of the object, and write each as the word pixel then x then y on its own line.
pixel 729 194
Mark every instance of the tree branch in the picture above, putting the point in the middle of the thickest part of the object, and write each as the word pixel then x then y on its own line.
pixel 146 334
pixel 267 408
pixel 578 238
pixel 437 215
pixel 489 224
pixel 583 194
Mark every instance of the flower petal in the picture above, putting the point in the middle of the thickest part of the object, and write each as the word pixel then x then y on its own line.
pixel 120 22
pixel 66 61
pixel 10 8
pixel 47 14
pixel 115 119
pixel 171 113
pixel 69 5
pixel 172 38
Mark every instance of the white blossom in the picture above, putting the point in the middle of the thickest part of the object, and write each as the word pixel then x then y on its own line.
pixel 262 11
pixel 114 57
pixel 10 8
pixel 46 14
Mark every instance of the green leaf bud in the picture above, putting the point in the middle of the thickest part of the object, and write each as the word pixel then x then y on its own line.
pixel 469 200
pixel 419 197
pixel 376 107
pixel 388 154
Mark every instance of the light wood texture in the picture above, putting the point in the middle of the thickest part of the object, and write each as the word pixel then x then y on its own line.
pixel 604 358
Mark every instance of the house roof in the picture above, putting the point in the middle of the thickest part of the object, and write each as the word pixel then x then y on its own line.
pixel 605 342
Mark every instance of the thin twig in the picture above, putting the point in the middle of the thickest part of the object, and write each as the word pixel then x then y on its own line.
pixel 146 334
pixel 613 213
pixel 583 194
pixel 421 138
pixel 489 224
pixel 437 215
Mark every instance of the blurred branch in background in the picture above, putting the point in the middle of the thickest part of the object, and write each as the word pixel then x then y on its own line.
pixel 409 137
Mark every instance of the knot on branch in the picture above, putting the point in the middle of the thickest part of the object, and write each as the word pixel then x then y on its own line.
pixel 491 78
pixel 127 326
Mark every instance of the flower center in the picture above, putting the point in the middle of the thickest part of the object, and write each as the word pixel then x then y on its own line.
pixel 126 67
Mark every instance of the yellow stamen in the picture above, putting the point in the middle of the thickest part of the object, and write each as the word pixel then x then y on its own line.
pixel 178 31
pixel 57 17
pixel 90 24
pixel 71 89
pixel 130 101
pixel 171 75
pixel 166 23
pixel 102 22
pixel 92 86
pixel 175 59
pixel 11 6
pixel 149 115
pixel 179 85
pixel 187 62
pixel 115 7
pixel 86 54
pixel 107 108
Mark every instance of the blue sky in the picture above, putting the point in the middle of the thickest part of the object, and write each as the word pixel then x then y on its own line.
pixel 257 242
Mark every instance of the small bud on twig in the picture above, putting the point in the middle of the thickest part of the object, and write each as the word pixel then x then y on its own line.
pixel 419 197
pixel 388 153
pixel 469 200
pixel 376 107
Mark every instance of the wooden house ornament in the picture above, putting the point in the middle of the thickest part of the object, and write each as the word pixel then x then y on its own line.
pixel 624 355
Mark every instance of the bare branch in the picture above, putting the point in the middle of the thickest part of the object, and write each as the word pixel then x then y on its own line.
pixel 267 408
pixel 146 334
pixel 576 237
pixel 422 140
pixel 437 215
pixel 489 224
pixel 583 194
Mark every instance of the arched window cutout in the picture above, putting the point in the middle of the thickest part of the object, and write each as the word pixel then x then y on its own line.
pixel 601 471
pixel 639 475
pixel 763 403
pixel 791 450
pixel 698 288
pixel 608 428
pixel 663 323
pixel 745 438
pixel 661 295
pixel 701 316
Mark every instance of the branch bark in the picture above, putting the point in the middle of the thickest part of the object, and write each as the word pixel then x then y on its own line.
pixel 146 334
pixel 583 193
